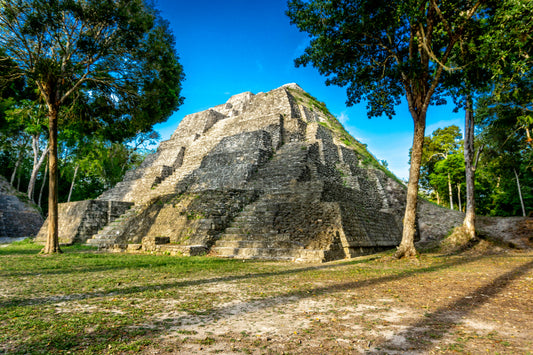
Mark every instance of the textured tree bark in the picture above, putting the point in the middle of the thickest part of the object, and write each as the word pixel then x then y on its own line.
pixel 19 159
pixel 18 181
pixel 459 197
pixel 450 192
pixel 470 170
pixel 520 192
pixel 407 246
pixel 37 162
pixel 73 182
pixel 44 183
pixel 52 241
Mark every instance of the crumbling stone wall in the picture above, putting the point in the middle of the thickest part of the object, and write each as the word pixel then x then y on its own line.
pixel 18 219
pixel 79 221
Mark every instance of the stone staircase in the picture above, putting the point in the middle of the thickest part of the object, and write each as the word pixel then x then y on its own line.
pixel 251 236
pixel 108 235
pixel 254 233
pixel 168 186
pixel 137 183
pixel 288 165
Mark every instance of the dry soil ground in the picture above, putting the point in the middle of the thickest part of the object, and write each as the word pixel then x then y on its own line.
pixel 474 303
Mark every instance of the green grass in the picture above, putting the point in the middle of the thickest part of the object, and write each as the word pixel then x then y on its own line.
pixel 87 302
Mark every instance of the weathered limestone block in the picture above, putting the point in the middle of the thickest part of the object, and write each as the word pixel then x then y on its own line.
pixel 18 218
pixel 149 243
pixel 79 221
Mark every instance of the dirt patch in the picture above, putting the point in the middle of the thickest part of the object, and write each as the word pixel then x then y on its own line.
pixel 474 306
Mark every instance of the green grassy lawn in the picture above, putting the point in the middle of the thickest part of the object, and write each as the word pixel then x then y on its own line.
pixel 83 301
pixel 91 302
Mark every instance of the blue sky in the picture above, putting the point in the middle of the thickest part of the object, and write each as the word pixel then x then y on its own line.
pixel 231 46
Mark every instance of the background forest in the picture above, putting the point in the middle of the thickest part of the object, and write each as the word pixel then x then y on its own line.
pixel 504 169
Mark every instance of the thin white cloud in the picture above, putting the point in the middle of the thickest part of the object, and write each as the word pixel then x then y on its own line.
pixel 343 117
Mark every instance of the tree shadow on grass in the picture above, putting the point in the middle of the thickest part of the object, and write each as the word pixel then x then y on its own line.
pixel 123 291
pixel 131 290
pixel 7 251
pixel 35 249
pixel 103 339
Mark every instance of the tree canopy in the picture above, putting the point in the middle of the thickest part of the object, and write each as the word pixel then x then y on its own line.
pixel 116 57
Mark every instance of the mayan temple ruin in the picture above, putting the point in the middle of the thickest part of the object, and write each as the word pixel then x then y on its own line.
pixel 270 176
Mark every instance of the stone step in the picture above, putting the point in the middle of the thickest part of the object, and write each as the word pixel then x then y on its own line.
pixel 289 254
pixel 256 237
pixel 251 219
pixel 247 229
pixel 253 253
pixel 101 241
pixel 108 235
pixel 256 244
pixel 259 207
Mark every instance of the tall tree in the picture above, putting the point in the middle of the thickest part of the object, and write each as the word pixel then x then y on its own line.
pixel 381 50
pixel 115 53
pixel 492 56
pixel 506 122
pixel 448 174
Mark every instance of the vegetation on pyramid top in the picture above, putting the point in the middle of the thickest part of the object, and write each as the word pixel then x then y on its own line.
pixel 332 123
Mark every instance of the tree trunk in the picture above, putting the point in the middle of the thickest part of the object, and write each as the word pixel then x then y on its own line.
pixel 19 159
pixel 520 193
pixel 44 183
pixel 37 162
pixel 459 197
pixel 470 170
pixel 73 181
pixel 438 198
pixel 450 192
pixel 18 181
pixel 52 241
pixel 407 246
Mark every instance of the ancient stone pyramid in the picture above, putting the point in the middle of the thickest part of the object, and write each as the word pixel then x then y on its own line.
pixel 272 175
